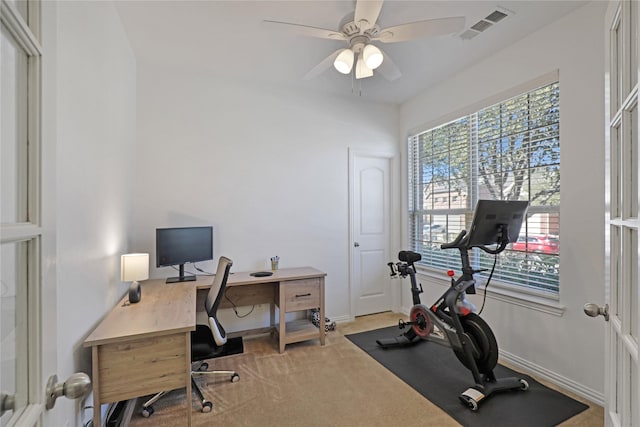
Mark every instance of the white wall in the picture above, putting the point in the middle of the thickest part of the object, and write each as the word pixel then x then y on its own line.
pixel 266 167
pixel 567 348
pixel 96 116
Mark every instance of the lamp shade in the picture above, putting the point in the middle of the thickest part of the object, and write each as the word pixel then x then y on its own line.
pixel 134 267
pixel 344 61
pixel 372 56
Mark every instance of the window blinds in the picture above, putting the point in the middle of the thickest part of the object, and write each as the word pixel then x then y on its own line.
pixel 507 151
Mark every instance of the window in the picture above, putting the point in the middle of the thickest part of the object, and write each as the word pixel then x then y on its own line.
pixel 507 151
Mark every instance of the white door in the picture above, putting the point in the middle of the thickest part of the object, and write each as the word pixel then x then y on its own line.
pixel 27 225
pixel 20 218
pixel 370 225
pixel 622 374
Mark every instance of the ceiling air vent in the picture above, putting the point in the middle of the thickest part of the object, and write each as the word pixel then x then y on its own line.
pixel 469 34
pixel 496 16
pixel 483 24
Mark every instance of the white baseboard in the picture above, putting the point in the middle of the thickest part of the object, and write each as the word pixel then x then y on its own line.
pixel 342 319
pixel 559 380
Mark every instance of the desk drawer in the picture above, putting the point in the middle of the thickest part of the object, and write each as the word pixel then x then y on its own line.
pixel 144 366
pixel 301 294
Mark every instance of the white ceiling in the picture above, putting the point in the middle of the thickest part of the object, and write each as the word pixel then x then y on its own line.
pixel 228 40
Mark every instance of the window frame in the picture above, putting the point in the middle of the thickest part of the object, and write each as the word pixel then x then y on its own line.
pixel 531 297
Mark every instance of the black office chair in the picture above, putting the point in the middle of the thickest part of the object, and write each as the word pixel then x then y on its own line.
pixel 208 341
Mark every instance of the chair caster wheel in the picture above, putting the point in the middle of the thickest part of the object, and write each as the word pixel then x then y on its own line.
pixel 235 377
pixel 203 367
pixel 524 385
pixel 207 407
pixel 147 412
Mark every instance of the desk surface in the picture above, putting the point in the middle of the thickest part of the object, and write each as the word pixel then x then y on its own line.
pixel 168 308
pixel 164 308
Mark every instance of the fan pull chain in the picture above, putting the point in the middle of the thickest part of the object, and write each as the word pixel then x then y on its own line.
pixel 352 83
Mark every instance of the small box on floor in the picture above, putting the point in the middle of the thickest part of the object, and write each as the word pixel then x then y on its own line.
pixel 314 316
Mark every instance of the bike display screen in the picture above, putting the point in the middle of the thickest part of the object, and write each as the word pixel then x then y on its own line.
pixel 492 217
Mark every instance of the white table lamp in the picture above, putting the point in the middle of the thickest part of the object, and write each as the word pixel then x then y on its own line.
pixel 134 267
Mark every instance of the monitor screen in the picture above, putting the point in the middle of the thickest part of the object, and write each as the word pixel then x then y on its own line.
pixel 178 246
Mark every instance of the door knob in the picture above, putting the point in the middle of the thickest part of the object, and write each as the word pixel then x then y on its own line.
pixel 356 244
pixel 594 310
pixel 7 402
pixel 76 386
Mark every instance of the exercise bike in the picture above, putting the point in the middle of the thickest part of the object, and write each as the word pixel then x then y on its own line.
pixel 450 321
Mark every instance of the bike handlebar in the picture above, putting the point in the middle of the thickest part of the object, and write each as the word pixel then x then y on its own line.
pixel 456 242
pixel 497 250
pixel 393 270
pixel 460 243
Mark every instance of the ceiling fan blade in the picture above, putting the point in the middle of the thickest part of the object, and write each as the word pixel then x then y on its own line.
pixel 322 66
pixel 388 69
pixel 420 29
pixel 305 30
pixel 367 12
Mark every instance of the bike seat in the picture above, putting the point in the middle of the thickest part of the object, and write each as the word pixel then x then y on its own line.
pixel 409 256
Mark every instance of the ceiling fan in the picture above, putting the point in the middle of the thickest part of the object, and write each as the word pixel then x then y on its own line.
pixel 359 30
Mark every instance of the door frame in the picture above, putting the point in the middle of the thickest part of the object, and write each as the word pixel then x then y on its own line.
pixel 390 157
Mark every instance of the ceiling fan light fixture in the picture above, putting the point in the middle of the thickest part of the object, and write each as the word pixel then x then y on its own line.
pixel 362 71
pixel 372 56
pixel 344 61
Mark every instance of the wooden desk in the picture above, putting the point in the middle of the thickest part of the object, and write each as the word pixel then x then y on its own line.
pixel 144 348
pixel 290 289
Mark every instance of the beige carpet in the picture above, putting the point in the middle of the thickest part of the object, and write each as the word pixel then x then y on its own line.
pixel 311 385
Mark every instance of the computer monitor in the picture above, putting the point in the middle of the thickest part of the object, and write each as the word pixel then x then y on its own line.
pixel 496 220
pixel 181 245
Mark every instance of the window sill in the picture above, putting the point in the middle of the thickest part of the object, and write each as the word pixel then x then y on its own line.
pixel 535 300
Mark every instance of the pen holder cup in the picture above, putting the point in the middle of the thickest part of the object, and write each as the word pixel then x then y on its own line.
pixel 274 265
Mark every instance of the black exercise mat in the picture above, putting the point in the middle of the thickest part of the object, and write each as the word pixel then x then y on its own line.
pixel 435 372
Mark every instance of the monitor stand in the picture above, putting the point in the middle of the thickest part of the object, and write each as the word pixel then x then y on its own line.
pixel 181 277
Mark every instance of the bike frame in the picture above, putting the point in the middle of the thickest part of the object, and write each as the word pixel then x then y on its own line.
pixel 495 224
pixel 448 322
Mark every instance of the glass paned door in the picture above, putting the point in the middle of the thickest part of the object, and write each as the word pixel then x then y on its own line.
pixel 21 329
pixel 623 223
pixel 13 210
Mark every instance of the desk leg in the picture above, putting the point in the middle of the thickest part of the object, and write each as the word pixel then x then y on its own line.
pixel 322 331
pixel 283 323
pixel 272 316
pixel 97 415
pixel 188 379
